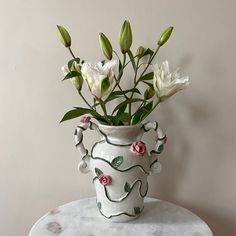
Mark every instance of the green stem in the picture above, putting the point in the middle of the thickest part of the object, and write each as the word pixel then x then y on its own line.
pixel 85 100
pixel 120 87
pixel 89 104
pixel 118 77
pixel 144 63
pixel 148 64
pixel 136 71
pixel 135 77
pixel 105 111
pixel 122 68
pixel 71 52
pixel 116 55
pixel 129 61
pixel 158 101
pixel 143 102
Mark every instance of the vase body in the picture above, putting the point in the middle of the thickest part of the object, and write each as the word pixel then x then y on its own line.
pixel 120 164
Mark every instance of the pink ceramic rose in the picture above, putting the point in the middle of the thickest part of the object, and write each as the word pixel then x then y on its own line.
pixel 85 119
pixel 104 179
pixel 138 148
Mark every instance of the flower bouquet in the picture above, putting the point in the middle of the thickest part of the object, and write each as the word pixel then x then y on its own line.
pixel 120 161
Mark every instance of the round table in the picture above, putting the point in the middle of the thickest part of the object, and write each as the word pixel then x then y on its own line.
pixel 81 218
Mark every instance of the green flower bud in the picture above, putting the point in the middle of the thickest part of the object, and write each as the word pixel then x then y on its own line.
pixel 125 37
pixel 149 93
pixel 77 81
pixel 140 52
pixel 105 46
pixel 165 36
pixel 64 36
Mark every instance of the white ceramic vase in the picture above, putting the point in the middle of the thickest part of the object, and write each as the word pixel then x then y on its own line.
pixel 120 165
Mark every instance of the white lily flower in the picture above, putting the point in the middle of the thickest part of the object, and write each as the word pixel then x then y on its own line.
pixel 167 84
pixel 99 77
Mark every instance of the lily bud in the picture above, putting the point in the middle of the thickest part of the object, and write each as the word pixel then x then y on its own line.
pixel 140 52
pixel 64 36
pixel 149 93
pixel 77 81
pixel 105 46
pixel 165 36
pixel 125 37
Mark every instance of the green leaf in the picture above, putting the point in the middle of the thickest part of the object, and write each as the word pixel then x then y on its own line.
pixel 125 118
pixel 137 116
pixel 131 56
pixel 72 61
pixel 119 114
pixel 137 210
pixel 101 119
pixel 127 187
pixel 134 90
pixel 149 84
pixel 148 52
pixel 71 75
pixel 141 113
pixel 146 110
pixel 111 97
pixel 133 100
pixel 98 172
pixel 78 111
pixel 117 161
pixel 148 76
pixel 120 69
pixel 117 94
pixel 99 205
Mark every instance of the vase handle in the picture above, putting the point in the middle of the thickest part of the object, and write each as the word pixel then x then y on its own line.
pixel 155 166
pixel 84 165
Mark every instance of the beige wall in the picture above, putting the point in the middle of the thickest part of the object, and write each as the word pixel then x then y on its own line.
pixel 37 155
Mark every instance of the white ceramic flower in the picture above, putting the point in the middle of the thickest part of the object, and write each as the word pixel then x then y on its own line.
pixel 167 84
pixel 99 77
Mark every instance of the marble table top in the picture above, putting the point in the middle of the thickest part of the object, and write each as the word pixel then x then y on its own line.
pixel 81 218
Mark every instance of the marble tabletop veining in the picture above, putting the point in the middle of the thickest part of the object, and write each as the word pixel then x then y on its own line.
pixel 81 218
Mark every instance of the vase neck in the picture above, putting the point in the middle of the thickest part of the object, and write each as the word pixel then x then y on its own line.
pixel 121 135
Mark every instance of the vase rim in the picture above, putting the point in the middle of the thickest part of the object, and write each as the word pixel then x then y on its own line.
pixel 120 126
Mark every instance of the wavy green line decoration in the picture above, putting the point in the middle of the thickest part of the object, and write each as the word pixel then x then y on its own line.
pixel 131 167
pixel 136 211
pixel 127 189
pixel 153 163
pixel 114 144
